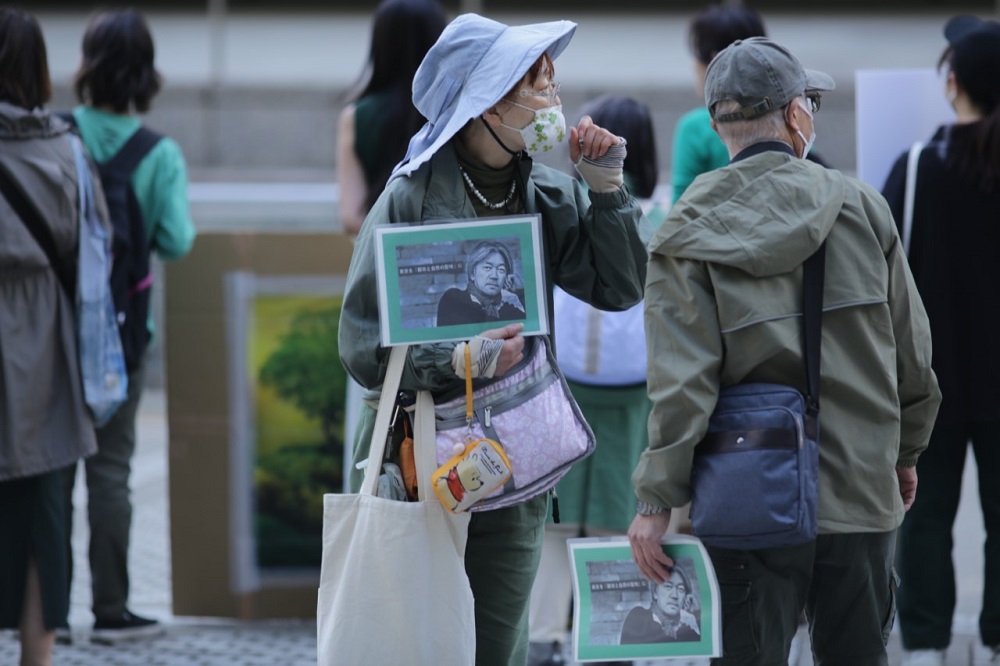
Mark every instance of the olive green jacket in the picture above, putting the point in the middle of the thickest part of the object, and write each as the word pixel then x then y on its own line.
pixel 591 247
pixel 723 305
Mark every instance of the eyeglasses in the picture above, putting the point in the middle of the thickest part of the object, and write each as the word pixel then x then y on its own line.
pixel 549 93
pixel 814 101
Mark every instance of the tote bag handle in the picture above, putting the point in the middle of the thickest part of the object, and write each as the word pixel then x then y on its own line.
pixel 386 405
pixel 424 445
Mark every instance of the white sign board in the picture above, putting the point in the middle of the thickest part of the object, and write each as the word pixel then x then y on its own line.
pixel 894 109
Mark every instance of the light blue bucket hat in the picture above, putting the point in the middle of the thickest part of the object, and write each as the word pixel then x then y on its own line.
pixel 473 64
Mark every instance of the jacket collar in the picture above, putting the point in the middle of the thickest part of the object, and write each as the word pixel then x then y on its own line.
pixel 445 197
pixel 763 147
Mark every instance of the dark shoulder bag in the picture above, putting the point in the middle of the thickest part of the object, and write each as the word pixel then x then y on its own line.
pixel 754 481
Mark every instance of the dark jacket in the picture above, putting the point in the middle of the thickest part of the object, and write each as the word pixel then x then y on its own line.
pixel 953 255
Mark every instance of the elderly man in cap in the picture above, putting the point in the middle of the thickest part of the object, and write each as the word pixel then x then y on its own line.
pixel 491 98
pixel 723 307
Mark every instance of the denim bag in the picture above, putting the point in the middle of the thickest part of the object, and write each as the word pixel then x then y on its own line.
pixel 102 361
pixel 755 475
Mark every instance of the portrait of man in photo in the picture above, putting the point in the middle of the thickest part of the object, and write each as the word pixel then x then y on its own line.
pixel 494 291
pixel 672 614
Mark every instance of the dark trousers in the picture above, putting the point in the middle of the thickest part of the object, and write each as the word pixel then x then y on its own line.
pixel 926 570
pixel 845 583
pixel 109 504
pixel 501 559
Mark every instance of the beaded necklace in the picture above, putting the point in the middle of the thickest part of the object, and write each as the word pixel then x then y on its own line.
pixel 483 199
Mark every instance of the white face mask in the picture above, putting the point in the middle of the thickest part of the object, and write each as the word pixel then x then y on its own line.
pixel 812 136
pixel 546 130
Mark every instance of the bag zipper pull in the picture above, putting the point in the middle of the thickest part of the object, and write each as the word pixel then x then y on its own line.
pixel 486 416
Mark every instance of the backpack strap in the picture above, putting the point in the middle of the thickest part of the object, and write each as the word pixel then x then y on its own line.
pixel 131 153
pixel 137 147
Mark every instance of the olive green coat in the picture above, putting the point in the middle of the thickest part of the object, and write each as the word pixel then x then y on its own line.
pixel 592 250
pixel 723 304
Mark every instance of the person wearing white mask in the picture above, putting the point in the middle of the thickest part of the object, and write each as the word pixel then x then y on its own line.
pixel 723 306
pixel 491 98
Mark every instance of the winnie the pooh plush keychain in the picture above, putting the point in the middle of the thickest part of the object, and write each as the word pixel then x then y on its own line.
pixel 476 471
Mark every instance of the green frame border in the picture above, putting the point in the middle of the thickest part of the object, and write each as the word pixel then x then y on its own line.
pixel 526 229
pixel 584 651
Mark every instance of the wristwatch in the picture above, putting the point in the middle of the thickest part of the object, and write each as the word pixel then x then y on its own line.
pixel 647 509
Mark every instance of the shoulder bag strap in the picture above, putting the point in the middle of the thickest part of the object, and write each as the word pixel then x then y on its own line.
pixel 812 310
pixel 33 221
pixel 386 406
pixel 910 193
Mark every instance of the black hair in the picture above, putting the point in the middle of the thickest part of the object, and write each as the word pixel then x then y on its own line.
pixel 631 120
pixel 116 70
pixel 24 66
pixel 974 148
pixel 717 26
pixel 402 33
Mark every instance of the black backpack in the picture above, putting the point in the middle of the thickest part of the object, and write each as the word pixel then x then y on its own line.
pixel 131 273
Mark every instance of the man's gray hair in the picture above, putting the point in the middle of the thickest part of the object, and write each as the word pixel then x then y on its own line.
pixel 740 134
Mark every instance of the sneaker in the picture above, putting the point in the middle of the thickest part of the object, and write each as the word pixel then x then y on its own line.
pixel 545 654
pixel 64 636
pixel 108 631
pixel 923 658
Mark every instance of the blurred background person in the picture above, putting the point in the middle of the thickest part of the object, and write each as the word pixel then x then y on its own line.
pixel 954 244
pixel 375 128
pixel 116 81
pixel 44 422
pixel 696 147
pixel 595 497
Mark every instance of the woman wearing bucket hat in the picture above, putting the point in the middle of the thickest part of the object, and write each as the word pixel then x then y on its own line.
pixel 953 240
pixel 489 94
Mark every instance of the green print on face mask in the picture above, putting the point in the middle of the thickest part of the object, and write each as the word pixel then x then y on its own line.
pixel 545 132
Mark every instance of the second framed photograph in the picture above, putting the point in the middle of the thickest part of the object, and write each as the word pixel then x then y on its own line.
pixel 620 615
pixel 454 280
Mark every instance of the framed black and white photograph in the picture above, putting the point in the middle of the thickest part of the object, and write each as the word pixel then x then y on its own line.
pixel 454 280
pixel 618 614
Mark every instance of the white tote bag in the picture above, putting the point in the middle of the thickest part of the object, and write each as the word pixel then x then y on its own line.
pixel 393 588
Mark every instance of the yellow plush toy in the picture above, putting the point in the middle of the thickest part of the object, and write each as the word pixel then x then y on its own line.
pixel 471 475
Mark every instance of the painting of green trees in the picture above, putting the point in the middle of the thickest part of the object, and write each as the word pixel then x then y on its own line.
pixel 299 424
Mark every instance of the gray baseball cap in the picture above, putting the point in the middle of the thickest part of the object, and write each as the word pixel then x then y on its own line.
pixel 759 74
